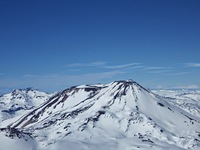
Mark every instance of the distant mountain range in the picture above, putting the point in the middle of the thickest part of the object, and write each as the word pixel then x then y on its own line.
pixel 19 101
pixel 119 115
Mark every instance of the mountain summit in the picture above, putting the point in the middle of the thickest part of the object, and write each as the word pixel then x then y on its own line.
pixel 118 115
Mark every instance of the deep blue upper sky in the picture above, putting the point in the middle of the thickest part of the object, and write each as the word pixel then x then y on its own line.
pixel 54 44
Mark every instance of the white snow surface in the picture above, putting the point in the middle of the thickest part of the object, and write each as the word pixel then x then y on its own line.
pixel 121 115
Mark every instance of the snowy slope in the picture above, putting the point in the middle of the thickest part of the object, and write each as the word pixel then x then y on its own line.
pixel 20 101
pixel 120 115
pixel 181 93
pixel 188 100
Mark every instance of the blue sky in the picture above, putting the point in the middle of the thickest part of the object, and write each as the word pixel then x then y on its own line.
pixel 53 44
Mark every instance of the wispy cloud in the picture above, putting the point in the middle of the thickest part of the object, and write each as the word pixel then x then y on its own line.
pixel 157 70
pixel 92 64
pixel 104 65
pixel 137 67
pixel 122 66
pixel 95 72
pixel 177 73
pixel 192 86
pixel 128 67
pixel 159 87
pixel 192 64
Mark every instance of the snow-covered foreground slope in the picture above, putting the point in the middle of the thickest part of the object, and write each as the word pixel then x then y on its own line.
pixel 12 139
pixel 20 101
pixel 120 115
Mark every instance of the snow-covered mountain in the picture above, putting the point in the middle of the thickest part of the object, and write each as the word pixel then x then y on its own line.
pixel 20 101
pixel 120 115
